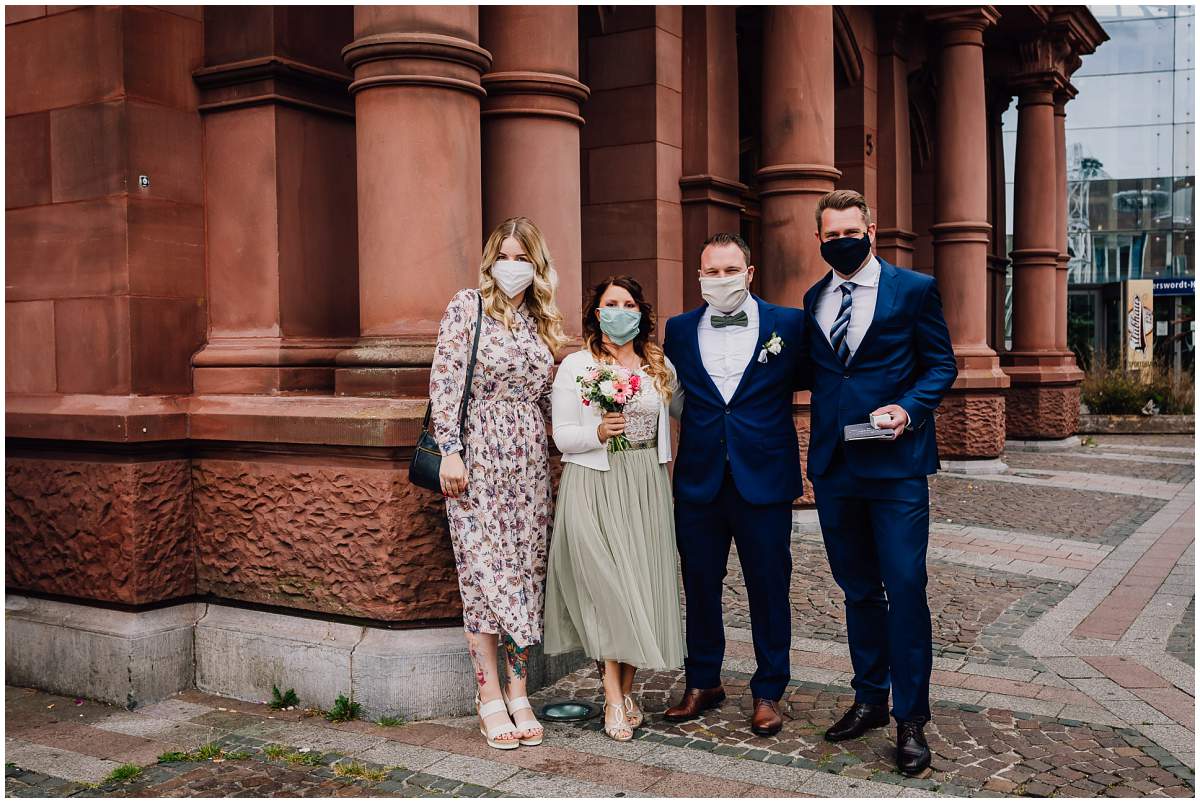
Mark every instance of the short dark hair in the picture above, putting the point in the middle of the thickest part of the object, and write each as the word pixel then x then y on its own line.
pixel 725 238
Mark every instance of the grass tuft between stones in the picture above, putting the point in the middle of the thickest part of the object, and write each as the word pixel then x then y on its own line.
pixel 205 752
pixel 125 772
pixel 278 751
pixel 353 769
pixel 390 722
pixel 344 709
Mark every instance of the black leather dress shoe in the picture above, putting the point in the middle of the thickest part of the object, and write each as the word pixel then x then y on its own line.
pixel 858 720
pixel 912 753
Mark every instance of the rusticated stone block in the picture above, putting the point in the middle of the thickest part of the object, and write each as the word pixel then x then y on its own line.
pixel 349 539
pixel 803 427
pixel 102 530
pixel 970 425
pixel 1036 412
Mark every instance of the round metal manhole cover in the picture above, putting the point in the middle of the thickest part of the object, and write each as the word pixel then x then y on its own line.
pixel 569 711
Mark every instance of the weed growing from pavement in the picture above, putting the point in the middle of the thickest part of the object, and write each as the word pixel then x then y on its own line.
pixel 206 752
pixel 390 722
pixel 125 772
pixel 356 770
pixel 343 710
pixel 283 701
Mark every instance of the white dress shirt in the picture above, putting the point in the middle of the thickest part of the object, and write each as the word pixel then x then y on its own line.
pixel 862 308
pixel 726 352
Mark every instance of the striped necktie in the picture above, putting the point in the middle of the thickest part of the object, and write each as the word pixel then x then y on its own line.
pixel 841 326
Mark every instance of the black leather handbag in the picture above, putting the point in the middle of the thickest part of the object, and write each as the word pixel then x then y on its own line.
pixel 424 470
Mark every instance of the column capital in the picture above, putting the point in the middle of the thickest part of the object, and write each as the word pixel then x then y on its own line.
pixel 416 59
pixel 1039 67
pixel 968 19
pixel 1064 95
pixel 526 93
pixel 893 33
pixel 793 179
pixel 999 98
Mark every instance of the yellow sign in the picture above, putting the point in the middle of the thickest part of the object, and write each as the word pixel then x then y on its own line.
pixel 1139 322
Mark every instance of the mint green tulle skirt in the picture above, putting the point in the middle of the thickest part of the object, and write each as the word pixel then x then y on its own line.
pixel 612 587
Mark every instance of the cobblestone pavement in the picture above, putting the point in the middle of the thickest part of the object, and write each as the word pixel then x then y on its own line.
pixel 1063 602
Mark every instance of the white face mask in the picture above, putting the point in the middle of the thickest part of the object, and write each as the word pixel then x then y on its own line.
pixel 724 293
pixel 512 275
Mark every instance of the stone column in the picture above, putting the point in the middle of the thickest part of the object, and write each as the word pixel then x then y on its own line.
pixel 711 193
pixel 894 235
pixel 797 146
pixel 972 424
pixel 1043 402
pixel 417 93
pixel 530 132
pixel 998 100
pixel 1061 98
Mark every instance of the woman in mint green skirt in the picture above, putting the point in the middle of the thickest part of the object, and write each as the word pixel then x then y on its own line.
pixel 612 588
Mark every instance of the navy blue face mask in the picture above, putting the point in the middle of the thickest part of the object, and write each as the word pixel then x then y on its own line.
pixel 846 254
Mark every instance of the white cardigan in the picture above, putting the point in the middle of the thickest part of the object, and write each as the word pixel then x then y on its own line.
pixel 575 425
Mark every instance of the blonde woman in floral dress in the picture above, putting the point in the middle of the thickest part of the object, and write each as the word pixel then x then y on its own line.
pixel 495 474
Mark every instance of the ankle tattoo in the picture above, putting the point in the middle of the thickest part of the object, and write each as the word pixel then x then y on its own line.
pixel 518 658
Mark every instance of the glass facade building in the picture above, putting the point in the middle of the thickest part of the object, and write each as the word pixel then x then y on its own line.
pixel 1131 181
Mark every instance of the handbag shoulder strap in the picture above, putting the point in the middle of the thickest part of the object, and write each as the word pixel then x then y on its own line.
pixel 466 396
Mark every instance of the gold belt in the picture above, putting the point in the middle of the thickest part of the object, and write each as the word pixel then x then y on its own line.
pixel 650 444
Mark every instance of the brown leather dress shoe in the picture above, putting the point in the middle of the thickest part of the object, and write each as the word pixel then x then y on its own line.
pixel 767 720
pixel 694 703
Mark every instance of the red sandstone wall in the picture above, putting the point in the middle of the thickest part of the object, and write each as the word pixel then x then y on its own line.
pixel 116 531
pixel 105 279
pixel 632 153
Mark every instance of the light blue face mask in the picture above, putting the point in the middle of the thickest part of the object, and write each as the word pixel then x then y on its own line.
pixel 620 324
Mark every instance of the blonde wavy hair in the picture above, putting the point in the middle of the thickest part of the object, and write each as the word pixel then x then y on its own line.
pixel 539 298
pixel 649 351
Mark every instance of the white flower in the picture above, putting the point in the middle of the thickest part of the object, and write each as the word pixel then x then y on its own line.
pixel 773 346
pixel 608 389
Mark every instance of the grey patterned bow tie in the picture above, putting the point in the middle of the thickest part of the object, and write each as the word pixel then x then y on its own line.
pixel 721 321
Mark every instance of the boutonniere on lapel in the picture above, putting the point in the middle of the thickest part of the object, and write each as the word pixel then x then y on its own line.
pixel 773 346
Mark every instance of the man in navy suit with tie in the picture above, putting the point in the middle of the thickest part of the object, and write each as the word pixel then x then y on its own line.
pixel 879 347
pixel 736 473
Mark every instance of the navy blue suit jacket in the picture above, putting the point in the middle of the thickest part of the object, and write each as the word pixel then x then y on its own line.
pixel 755 429
pixel 905 358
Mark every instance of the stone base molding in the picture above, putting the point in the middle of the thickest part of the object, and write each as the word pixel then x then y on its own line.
pixel 1042 412
pixel 127 659
pixel 1062 445
pixel 135 659
pixel 970 425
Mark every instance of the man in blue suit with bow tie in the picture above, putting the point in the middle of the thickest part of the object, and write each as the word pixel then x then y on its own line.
pixel 736 474
pixel 879 346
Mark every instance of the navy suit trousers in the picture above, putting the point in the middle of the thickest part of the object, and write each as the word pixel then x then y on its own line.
pixel 763 535
pixel 876 536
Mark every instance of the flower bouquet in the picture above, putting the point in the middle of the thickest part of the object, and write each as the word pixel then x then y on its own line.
pixel 610 388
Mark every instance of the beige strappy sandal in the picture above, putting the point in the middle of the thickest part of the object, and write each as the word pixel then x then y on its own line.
pixel 491 734
pixel 614 729
pixel 518 704
pixel 633 714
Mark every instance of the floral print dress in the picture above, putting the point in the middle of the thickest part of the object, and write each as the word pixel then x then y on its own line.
pixel 499 528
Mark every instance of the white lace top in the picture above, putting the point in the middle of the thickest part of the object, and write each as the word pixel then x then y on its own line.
pixel 641 414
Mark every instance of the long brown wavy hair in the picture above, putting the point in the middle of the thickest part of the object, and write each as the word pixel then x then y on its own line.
pixel 539 298
pixel 650 352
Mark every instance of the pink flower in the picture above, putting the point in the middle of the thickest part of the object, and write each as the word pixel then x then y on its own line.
pixel 619 398
pixel 587 403
pixel 635 382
